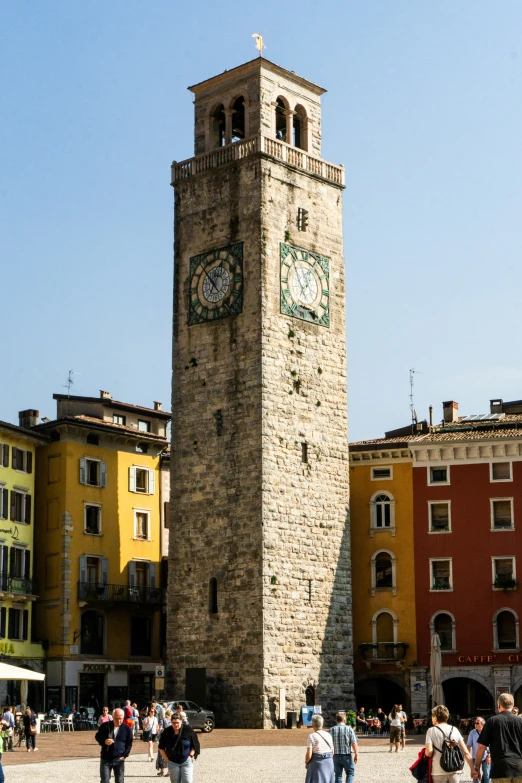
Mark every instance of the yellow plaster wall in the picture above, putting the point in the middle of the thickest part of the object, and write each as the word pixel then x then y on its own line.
pixel 362 488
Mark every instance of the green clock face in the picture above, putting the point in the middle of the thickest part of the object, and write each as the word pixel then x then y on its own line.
pixel 305 285
pixel 216 284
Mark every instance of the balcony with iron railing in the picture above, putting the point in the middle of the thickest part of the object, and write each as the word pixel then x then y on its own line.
pixel 89 591
pixel 265 145
pixel 384 652
pixel 17 585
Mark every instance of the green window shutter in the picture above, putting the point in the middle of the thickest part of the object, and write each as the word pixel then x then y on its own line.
pixel 83 471
pixel 6 455
pixel 152 478
pixel 103 474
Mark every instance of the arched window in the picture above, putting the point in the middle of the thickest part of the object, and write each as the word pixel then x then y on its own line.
pixel 382 511
pixel 383 570
pixel 505 630
pixel 443 624
pixel 218 126
pixel 91 633
pixel 384 628
pixel 238 119
pixel 280 116
pixel 310 696
pixel 299 128
pixel 212 596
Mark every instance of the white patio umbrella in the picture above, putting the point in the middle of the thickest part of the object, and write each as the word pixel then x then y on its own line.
pixel 8 672
pixel 437 694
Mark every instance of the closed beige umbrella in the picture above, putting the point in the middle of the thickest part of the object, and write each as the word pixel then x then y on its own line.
pixel 437 694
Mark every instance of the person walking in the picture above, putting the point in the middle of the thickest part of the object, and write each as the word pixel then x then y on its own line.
pixel 161 764
pixel 319 754
pixel 115 739
pixel 403 718
pixel 104 717
pixel 472 743
pixel 136 713
pixel 150 731
pixel 9 719
pixel 395 728
pixel 29 720
pixel 128 714
pixel 435 739
pixel 345 753
pixel 179 747
pixel 502 733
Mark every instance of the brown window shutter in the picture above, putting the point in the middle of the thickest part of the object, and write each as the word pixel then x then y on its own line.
pixel 13 506
pixel 6 455
pixel 29 461
pixel 27 515
pixel 15 460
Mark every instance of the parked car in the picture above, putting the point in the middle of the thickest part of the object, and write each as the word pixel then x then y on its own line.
pixel 198 717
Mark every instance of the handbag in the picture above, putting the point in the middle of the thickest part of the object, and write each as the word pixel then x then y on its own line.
pixel 32 730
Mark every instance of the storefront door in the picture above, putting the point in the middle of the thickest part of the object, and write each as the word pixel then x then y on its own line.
pixel 91 691
pixel 140 689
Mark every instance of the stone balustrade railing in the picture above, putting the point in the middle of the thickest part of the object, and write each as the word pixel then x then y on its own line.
pixel 242 149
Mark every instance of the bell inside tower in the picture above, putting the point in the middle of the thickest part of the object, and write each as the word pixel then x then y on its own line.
pixel 238 120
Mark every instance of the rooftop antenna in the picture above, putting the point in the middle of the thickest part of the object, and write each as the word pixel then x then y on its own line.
pixel 414 417
pixel 68 385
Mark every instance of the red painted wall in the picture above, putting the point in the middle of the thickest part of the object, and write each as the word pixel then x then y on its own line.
pixel 471 544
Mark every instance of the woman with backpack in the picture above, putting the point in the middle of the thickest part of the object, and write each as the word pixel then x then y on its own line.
pixel 445 744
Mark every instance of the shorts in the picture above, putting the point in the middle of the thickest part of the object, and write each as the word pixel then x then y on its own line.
pixel 395 734
pixel 403 731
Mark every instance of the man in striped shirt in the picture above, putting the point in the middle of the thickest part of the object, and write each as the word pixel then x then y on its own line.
pixel 345 749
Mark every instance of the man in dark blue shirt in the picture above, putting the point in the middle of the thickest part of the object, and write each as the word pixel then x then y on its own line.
pixel 115 738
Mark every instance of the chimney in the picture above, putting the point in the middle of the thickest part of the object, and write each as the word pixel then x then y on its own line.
pixel 496 406
pixel 28 418
pixel 158 405
pixel 431 415
pixel 105 395
pixel 450 411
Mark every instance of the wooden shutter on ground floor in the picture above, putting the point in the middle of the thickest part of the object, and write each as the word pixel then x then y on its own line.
pixel 3 616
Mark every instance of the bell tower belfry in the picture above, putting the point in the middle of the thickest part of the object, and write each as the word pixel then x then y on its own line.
pixel 259 606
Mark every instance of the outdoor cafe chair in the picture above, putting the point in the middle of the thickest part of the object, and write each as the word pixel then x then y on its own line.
pixel 68 723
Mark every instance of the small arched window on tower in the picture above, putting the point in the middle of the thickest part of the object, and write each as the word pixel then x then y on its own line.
pixel 310 696
pixel 280 116
pixel 238 119
pixel 299 128
pixel 212 596
pixel 218 126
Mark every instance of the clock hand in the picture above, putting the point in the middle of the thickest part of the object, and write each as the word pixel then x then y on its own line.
pixel 211 281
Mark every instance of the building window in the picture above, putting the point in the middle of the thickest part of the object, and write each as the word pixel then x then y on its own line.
pixel 93 517
pixel 238 119
pixel 22 460
pixel 504 572
pixel 141 636
pixel 142 525
pixel 218 127
pixel 212 596
pixel 440 519
pixel 382 510
pixel 94 440
pixel 142 580
pixel 299 128
pixel 142 448
pixel 384 628
pixel 18 624
pixel 441 575
pixel 19 563
pixel 117 419
pixel 280 120
pixel 302 219
pixel 505 630
pixel 378 474
pixel 4 455
pixel 383 571
pixel 93 472
pixel 502 514
pixel 20 507
pixel 141 480
pixel 438 475
pixel 501 471
pixel 443 624
pixel 91 633
pixel 143 425
pixel 4 502
pixel 304 452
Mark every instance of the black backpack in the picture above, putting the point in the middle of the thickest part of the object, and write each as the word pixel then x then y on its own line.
pixel 451 755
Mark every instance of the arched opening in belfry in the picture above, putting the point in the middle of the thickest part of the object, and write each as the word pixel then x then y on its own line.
pixel 218 125
pixel 299 128
pixel 238 119
pixel 280 116
pixel 310 696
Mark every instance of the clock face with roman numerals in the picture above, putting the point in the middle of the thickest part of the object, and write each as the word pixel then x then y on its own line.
pixel 216 284
pixel 305 285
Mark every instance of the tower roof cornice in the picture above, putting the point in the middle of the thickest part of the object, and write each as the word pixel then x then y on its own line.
pixel 253 67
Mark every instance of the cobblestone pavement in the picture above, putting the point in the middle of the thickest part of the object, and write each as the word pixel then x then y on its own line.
pixel 241 764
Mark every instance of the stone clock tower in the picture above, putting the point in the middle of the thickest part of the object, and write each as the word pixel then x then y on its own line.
pixel 259 604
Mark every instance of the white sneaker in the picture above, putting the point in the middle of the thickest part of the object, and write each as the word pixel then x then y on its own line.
pixel 35 749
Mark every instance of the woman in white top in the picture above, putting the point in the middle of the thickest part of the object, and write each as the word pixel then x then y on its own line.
pixel 435 744
pixel 395 719
pixel 319 754
pixel 150 731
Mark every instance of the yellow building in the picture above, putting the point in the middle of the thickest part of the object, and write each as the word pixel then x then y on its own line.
pixel 101 497
pixel 381 518
pixel 18 589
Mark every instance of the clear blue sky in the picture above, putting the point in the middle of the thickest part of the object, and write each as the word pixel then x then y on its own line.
pixel 424 109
